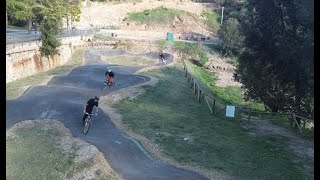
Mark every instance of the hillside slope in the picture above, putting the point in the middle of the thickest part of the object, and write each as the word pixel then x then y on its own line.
pixel 102 15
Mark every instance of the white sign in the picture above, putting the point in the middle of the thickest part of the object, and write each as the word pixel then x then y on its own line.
pixel 230 111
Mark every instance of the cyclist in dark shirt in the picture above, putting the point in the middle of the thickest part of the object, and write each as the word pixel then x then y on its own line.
pixel 89 107
pixel 109 76
pixel 161 56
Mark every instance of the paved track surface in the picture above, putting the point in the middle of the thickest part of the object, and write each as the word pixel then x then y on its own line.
pixel 63 98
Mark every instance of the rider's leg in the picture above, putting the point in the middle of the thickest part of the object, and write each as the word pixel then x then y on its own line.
pixel 84 117
pixel 110 80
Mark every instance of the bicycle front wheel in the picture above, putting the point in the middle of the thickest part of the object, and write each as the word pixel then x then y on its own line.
pixel 86 126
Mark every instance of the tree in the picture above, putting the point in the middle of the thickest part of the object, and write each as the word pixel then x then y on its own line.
pixel 73 11
pixel 21 10
pixel 232 40
pixel 276 67
pixel 50 25
pixel 49 28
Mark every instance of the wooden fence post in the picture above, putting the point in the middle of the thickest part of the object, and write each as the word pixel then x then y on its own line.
pixel 295 120
pixel 202 98
pixel 214 105
pixel 209 105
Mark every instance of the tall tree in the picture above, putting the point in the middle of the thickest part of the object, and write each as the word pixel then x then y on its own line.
pixel 277 66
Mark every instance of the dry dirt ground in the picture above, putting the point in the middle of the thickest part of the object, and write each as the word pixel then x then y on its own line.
pixel 102 15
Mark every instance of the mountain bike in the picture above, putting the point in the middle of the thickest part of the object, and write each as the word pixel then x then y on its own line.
pixel 107 84
pixel 162 60
pixel 87 123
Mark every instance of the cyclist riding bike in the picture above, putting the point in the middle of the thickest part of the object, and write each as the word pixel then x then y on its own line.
pixel 161 56
pixel 109 76
pixel 89 107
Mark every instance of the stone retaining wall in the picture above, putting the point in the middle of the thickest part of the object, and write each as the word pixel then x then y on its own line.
pixel 24 59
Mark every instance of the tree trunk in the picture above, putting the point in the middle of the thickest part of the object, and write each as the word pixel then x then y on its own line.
pixel 6 19
pixel 29 25
pixel 67 23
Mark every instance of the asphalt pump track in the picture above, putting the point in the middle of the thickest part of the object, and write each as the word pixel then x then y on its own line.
pixel 63 98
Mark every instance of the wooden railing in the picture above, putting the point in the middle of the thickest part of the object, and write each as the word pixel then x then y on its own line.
pixel 213 107
pixel 201 95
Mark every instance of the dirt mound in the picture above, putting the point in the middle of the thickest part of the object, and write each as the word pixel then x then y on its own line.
pixel 97 167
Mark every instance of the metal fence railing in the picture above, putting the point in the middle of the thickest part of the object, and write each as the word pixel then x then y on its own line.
pixel 23 36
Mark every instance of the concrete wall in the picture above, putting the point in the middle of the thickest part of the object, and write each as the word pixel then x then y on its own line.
pixel 24 59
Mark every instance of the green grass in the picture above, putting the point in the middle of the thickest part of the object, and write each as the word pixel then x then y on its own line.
pixel 17 27
pixel 34 152
pixel 15 88
pixel 160 15
pixel 212 20
pixel 168 112
pixel 102 37
pixel 162 43
pixel 214 47
pixel 127 60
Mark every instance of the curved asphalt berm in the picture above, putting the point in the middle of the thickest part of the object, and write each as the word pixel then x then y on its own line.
pixel 63 99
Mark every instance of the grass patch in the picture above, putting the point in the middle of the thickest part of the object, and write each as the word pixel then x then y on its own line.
pixel 102 37
pixel 162 43
pixel 226 95
pixel 127 60
pixel 189 49
pixel 215 47
pixel 168 112
pixel 212 20
pixel 15 88
pixel 17 27
pixel 34 152
pixel 160 15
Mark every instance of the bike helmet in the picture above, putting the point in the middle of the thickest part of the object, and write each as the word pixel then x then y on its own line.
pixel 96 98
pixel 109 69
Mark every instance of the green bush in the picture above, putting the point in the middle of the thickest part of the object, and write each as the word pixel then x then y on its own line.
pixel 160 15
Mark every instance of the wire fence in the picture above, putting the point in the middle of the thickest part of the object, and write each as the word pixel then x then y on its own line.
pixel 15 37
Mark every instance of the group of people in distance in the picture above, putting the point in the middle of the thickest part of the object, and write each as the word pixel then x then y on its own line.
pixel 109 75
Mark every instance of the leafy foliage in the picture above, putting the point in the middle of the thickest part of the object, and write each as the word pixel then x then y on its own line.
pixel 49 14
pixel 276 67
pixel 212 20
pixel 232 40
pixel 49 29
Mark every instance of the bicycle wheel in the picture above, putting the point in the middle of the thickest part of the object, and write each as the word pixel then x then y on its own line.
pixel 103 86
pixel 86 126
